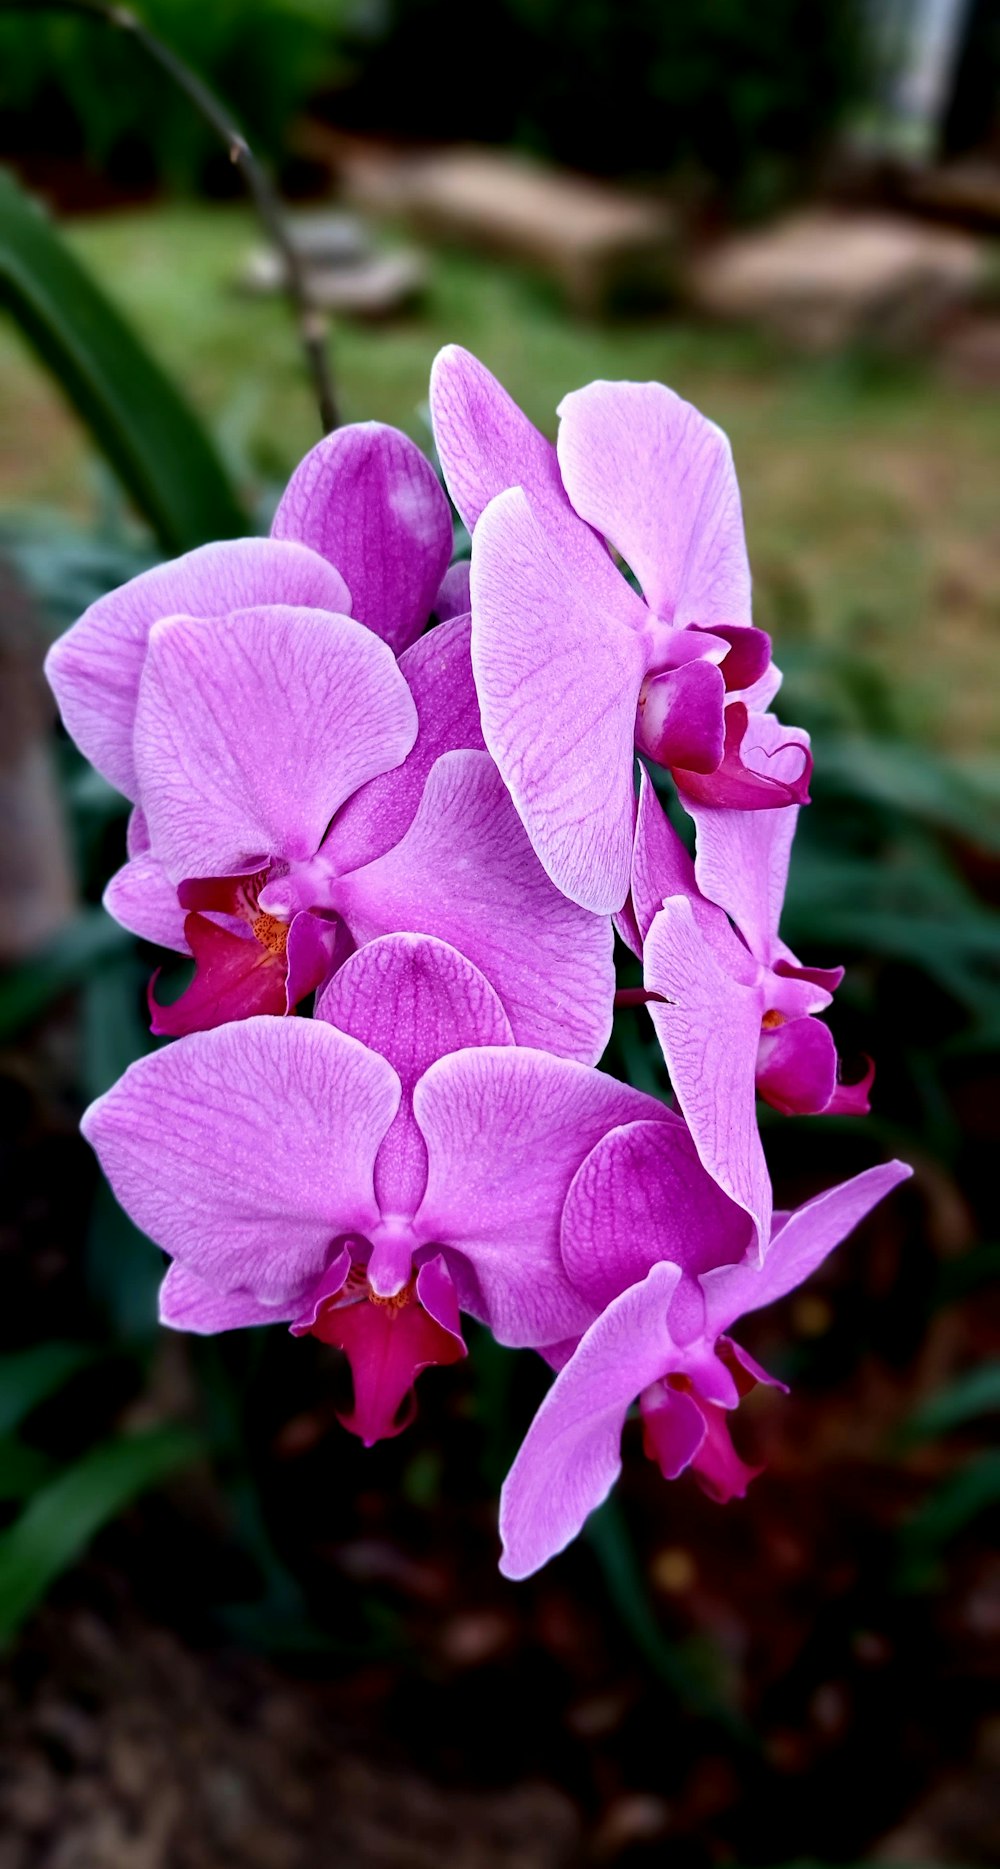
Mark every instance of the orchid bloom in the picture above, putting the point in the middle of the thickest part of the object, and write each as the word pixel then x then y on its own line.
pixel 732 1006
pixel 660 1255
pixel 363 530
pixel 302 793
pixel 364 1180
pixel 573 668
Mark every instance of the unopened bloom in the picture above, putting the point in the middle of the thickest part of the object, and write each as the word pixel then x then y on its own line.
pixel 573 668
pixel 732 1005
pixel 364 1180
pixel 663 1258
pixel 362 530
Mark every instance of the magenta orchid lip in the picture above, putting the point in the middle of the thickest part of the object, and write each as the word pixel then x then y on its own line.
pixel 406 791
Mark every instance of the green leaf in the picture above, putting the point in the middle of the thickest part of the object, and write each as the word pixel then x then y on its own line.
pixel 25 991
pixel 22 1469
pixel 61 1520
pixel 975 1393
pixel 29 1377
pixel 134 412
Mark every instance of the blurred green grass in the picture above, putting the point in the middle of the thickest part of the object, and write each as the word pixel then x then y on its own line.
pixel 867 484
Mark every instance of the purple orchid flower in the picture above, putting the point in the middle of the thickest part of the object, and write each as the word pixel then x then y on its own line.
pixel 732 1006
pixel 365 1180
pixel 659 1253
pixel 573 668
pixel 302 792
pixel 363 530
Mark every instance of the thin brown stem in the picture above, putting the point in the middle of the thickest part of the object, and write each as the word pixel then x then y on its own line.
pixel 310 321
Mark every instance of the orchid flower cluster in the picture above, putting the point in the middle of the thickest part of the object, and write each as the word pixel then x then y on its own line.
pixel 402 792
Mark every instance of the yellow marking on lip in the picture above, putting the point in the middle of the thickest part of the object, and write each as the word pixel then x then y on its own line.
pixel 271 933
pixel 771 1019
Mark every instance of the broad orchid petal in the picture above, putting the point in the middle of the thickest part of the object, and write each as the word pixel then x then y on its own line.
pixel 738 786
pixel 487 444
pixel 188 1302
pixel 654 476
pixel 641 1196
pixel 709 1031
pixel 368 501
pixel 252 729
pixel 681 717
pixel 558 677
pixel 413 1000
pixel 797 1067
pixel 571 1455
pixel 506 1131
pixel 142 897
pixel 438 671
pixel 661 867
pixel 798 1247
pixel 94 669
pixel 235 977
pixel 466 873
pixel 742 856
pixel 246 1151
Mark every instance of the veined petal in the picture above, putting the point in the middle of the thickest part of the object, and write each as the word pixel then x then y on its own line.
pixel 798 1247
pixel 465 872
pixel 413 1000
pixel 367 500
pixel 571 1455
pixel 246 1151
pixel 253 728
pixel 639 1197
pixel 188 1302
pixel 558 677
pixel 453 598
pixel 661 866
pixel 654 476
pixel 742 856
pixel 438 671
pixel 94 669
pixel 142 897
pixel 506 1131
pixel 709 1031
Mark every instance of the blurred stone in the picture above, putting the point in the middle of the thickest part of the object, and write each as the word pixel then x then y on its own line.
pixel 344 271
pixel 823 278
pixel 597 242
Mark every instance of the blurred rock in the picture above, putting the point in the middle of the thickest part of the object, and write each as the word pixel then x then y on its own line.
pixel 597 242
pixel 823 278
pixel 345 272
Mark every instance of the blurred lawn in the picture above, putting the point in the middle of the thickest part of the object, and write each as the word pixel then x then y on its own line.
pixel 867 487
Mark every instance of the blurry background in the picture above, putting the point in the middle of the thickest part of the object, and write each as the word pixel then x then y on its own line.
pixel 232 1635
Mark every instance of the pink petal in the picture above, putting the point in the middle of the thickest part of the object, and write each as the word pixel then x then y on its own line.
pixel 141 896
pixel 438 671
pixel 742 856
pixel 570 1457
pixel 641 1196
pixel 235 977
pixel 651 474
pixel 252 729
pixel 709 1032
pixel 188 1302
pixel 739 786
pixel 94 669
pixel 506 1131
pixel 246 1151
pixel 853 1099
pixel 369 502
pixel 315 947
pixel 413 1000
pixel 558 677
pixel 680 718
pixel 661 866
pixel 797 1067
pixel 453 598
pixel 749 658
pixel 798 1247
pixel 466 873
pixel 673 1428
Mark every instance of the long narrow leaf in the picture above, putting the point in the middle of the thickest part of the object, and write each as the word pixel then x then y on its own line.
pixel 61 1520
pixel 135 414
pixel 29 1377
